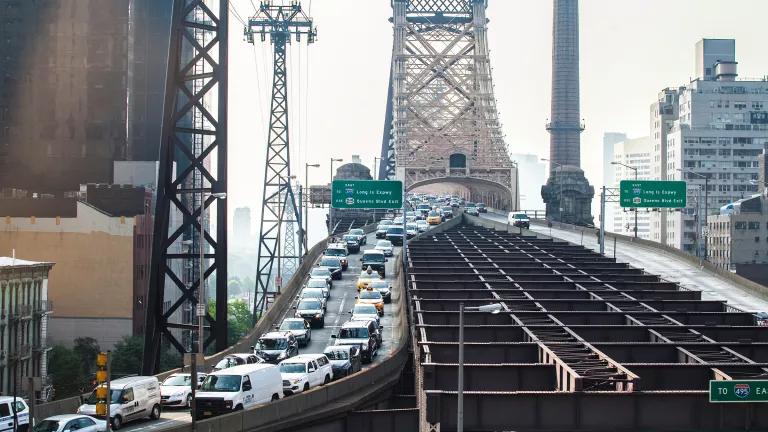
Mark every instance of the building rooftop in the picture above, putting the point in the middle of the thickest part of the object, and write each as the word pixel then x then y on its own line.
pixel 15 262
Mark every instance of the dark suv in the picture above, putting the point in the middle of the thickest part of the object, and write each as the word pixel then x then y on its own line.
pixel 364 334
pixel 375 260
pixel 395 235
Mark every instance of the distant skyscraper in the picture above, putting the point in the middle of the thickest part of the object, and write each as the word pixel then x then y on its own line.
pixel 713 127
pixel 241 225
pixel 567 194
pixel 609 140
pixel 637 154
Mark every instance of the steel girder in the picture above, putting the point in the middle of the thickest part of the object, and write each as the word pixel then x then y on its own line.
pixel 192 135
pixel 279 211
pixel 443 100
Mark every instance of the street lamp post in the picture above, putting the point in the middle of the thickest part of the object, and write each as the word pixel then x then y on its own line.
pixel 306 205
pixel 493 308
pixel 635 170
pixel 330 206
pixel 560 204
pixel 706 207
pixel 201 303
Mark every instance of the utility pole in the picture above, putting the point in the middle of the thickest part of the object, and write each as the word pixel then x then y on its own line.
pixel 279 22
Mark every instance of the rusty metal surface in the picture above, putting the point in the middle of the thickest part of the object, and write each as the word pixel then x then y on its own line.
pixel 604 345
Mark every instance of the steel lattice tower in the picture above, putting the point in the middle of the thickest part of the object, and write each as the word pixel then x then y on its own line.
pixel 279 211
pixel 194 138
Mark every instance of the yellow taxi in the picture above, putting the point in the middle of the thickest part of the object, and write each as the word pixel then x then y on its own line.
pixel 366 277
pixel 372 296
pixel 434 218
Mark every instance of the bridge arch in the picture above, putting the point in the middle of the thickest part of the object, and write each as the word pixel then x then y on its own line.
pixel 491 193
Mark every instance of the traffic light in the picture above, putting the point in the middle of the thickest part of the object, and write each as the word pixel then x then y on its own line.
pixel 102 382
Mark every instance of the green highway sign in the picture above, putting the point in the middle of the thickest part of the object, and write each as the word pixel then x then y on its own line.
pixel 745 391
pixel 652 193
pixel 367 194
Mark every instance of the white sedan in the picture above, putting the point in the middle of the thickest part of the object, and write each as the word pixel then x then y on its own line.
pixel 385 246
pixel 71 422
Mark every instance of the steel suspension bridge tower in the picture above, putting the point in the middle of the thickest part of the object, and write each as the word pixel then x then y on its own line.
pixel 278 257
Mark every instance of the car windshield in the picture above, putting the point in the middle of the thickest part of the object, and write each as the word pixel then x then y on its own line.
pixel 350 238
pixel 433 213
pixel 423 206
pixel 520 216
pixel 385 222
pixel 293 367
pixel 221 383
pixel 271 344
pixel 320 272
pixel 394 230
pixel 312 293
pixel 47 426
pixel 374 257
pixel 411 226
pixel 115 397
pixel 228 362
pixel 384 243
pixel 330 262
pixel 309 305
pixel 336 252
pixel 364 309
pixel 177 380
pixel 379 284
pixel 448 209
pixel 353 333
pixel 357 232
pixel 316 283
pixel 337 355
pixel 370 295
pixel 292 325
pixel 481 205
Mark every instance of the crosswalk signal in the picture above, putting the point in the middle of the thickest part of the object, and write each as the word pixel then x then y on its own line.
pixel 102 384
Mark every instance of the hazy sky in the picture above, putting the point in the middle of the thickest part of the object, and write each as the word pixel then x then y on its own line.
pixel 630 49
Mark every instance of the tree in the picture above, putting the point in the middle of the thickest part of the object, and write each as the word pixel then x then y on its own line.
pixel 239 319
pixel 86 348
pixel 126 357
pixel 65 369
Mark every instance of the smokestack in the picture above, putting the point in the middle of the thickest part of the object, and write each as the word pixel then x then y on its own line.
pixel 565 122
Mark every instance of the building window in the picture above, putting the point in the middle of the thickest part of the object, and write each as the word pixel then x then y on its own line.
pixel 754 225
pixel 757 239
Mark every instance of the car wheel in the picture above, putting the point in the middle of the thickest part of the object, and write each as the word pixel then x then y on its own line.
pixel 275 397
pixel 155 413
pixel 327 380
pixel 239 408
pixel 117 422
pixel 189 401
pixel 306 387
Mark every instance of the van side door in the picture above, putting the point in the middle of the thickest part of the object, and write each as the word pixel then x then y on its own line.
pixel 129 405
pixel 6 417
pixel 249 395
pixel 314 373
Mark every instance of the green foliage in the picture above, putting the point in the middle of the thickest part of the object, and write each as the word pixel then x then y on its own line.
pixel 126 357
pixel 239 319
pixel 86 348
pixel 65 368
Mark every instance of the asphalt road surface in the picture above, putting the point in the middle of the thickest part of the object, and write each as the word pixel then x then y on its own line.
pixel 666 265
pixel 337 312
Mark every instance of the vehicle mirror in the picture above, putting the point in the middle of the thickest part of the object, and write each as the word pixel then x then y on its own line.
pixel 386 260
pixel 381 327
pixel 311 369
pixel 246 386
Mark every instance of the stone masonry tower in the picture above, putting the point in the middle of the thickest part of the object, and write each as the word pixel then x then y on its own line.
pixel 567 194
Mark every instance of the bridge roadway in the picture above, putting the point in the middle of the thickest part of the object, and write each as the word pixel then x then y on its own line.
pixel 662 263
pixel 340 304
pixel 582 342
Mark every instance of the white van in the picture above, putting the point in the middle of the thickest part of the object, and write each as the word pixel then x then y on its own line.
pixel 6 414
pixel 132 398
pixel 304 371
pixel 238 388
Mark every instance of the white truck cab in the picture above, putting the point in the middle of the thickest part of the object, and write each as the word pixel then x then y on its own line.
pixel 132 398
pixel 7 404
pixel 237 388
pixel 304 371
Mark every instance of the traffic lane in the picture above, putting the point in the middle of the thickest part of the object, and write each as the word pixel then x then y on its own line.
pixel 661 263
pixel 343 299
pixel 340 304
pixel 170 417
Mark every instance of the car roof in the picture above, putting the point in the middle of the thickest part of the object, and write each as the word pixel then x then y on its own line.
pixel 239 355
pixel 243 369
pixel 124 382
pixel 275 335
pixel 356 323
pixel 372 251
pixel 66 417
pixel 303 357
pixel 293 319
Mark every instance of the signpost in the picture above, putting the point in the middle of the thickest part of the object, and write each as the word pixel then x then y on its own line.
pixel 738 391
pixel 367 194
pixel 652 193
